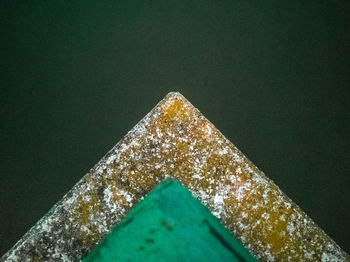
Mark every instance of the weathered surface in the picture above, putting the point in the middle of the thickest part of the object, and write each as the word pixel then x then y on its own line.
pixel 169 224
pixel 176 140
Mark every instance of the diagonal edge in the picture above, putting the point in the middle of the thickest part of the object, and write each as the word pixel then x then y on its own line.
pixel 249 204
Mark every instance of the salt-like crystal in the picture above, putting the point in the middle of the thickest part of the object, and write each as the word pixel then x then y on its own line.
pixel 176 140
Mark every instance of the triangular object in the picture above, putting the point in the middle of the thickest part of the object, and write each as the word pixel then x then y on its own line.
pixel 176 140
pixel 170 225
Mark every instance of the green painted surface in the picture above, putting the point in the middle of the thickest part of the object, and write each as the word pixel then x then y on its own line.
pixel 273 76
pixel 170 225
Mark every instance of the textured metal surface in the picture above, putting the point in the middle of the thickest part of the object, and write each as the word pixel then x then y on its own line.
pixel 176 140
pixel 169 224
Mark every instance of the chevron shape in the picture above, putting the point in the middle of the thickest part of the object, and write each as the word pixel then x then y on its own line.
pixel 169 224
pixel 176 140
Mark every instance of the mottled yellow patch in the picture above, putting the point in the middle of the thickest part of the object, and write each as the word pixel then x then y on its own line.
pixel 176 140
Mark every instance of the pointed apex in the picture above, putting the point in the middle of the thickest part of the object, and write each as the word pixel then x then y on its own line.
pixel 175 140
pixel 176 100
pixel 174 94
pixel 169 224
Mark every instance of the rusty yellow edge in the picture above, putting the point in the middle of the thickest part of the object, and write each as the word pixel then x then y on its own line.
pixel 176 140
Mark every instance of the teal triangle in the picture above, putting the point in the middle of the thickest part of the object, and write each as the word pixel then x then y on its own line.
pixel 169 224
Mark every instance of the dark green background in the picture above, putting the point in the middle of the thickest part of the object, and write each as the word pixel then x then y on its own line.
pixel 273 76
